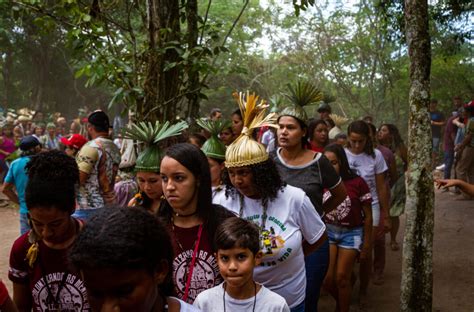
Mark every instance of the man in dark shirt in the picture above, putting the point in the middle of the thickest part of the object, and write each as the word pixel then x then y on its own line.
pixel 437 122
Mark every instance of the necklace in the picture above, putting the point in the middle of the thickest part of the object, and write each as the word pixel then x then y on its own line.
pixel 264 214
pixel 184 216
pixel 254 297
pixel 188 273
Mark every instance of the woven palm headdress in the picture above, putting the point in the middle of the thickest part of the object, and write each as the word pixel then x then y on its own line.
pixel 151 135
pixel 245 151
pixel 213 147
pixel 301 94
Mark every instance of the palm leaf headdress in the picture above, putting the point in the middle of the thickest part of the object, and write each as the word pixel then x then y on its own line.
pixel 301 94
pixel 213 147
pixel 151 134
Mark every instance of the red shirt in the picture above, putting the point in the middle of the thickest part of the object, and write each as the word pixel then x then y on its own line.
pixel 206 272
pixel 315 148
pixel 350 213
pixel 49 273
pixel 3 294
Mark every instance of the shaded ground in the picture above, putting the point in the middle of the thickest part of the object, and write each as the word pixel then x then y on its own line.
pixel 453 259
pixel 453 262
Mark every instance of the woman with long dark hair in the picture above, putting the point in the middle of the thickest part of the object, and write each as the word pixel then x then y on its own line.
pixel 147 167
pixel 389 136
pixel 369 164
pixel 349 228
pixel 192 219
pixel 290 227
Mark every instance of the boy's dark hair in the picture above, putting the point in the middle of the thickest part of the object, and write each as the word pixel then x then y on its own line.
pixel 237 232
pixel 52 180
pixel 124 238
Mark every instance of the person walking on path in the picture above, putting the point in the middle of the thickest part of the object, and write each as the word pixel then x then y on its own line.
pixel 17 178
pixel 465 167
pixel 98 162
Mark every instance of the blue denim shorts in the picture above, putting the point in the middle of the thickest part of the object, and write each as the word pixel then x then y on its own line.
pixel 344 237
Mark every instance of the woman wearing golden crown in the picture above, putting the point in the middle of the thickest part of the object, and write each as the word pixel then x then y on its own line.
pixel 290 227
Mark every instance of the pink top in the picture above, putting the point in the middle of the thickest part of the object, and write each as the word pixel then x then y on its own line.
pixel 8 146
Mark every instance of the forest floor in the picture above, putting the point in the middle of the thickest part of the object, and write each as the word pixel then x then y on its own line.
pixel 453 259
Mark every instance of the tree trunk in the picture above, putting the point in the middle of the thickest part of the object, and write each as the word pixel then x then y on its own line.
pixel 192 73
pixel 161 87
pixel 417 270
pixel 6 73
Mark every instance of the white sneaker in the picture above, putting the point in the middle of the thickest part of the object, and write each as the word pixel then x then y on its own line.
pixel 440 167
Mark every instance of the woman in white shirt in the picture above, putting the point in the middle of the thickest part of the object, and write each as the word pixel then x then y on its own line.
pixel 369 164
pixel 290 227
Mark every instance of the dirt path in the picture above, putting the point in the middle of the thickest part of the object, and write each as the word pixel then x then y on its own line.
pixel 453 259
pixel 453 262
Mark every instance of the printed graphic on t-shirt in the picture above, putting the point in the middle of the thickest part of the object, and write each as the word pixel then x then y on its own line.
pixel 341 212
pixel 72 293
pixel 272 244
pixel 205 273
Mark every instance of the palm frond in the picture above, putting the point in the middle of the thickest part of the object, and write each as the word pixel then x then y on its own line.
pixel 167 131
pixel 303 93
pixel 149 133
pixel 213 126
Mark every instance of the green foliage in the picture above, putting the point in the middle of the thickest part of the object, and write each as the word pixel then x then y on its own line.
pixel 303 93
pixel 153 133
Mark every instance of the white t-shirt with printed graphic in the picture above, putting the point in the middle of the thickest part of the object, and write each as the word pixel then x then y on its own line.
pixel 291 218
pixel 367 167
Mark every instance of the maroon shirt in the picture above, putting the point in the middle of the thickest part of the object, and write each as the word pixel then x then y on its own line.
pixel 206 272
pixel 449 135
pixel 350 213
pixel 49 274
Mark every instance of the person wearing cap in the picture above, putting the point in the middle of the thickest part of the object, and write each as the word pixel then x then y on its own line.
pixel 310 171
pixel 98 161
pixel 289 225
pixel 73 144
pixel 324 110
pixel 465 165
pixel 17 178
pixel 147 166
pixel 214 150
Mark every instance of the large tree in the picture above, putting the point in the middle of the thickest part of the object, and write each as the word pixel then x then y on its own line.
pixel 417 264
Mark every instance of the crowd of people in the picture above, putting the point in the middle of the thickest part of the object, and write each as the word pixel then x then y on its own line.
pixel 456 135
pixel 257 212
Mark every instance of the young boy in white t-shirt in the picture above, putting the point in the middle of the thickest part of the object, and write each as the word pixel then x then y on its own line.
pixel 238 252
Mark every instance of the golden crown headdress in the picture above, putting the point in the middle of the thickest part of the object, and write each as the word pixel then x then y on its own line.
pixel 245 151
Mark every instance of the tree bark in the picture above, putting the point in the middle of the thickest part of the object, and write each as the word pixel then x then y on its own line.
pixel 161 87
pixel 417 270
pixel 192 73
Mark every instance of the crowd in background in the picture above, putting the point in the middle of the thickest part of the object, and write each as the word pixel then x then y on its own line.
pixel 250 210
